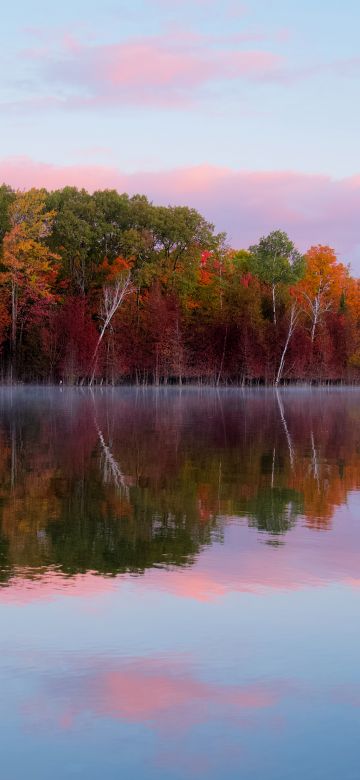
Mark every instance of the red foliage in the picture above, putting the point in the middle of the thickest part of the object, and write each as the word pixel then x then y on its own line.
pixel 69 340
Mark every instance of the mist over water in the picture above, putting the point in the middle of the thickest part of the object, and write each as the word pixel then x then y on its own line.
pixel 179 583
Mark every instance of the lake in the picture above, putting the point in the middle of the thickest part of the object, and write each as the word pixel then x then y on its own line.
pixel 179 584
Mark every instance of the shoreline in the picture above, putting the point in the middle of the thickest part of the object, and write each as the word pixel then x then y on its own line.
pixel 184 386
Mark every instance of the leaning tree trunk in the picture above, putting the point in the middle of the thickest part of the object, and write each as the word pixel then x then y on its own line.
pixel 292 325
pixel 113 297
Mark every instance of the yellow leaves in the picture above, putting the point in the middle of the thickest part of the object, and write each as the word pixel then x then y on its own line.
pixel 28 212
pixel 28 268
pixel 26 259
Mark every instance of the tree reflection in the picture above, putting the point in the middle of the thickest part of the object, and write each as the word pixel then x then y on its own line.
pixel 275 510
pixel 125 480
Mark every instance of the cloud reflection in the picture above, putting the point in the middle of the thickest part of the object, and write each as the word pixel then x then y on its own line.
pixel 166 696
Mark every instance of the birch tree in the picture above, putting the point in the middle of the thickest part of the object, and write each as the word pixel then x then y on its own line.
pixel 113 296
pixel 293 319
pixel 322 285
pixel 276 261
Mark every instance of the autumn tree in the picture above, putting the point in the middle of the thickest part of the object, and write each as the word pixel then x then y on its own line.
pixel 116 288
pixel 200 311
pixel 28 267
pixel 322 285
pixel 352 303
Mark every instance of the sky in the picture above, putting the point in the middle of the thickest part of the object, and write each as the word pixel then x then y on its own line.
pixel 248 111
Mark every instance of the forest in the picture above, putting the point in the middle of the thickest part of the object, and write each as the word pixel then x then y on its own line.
pixel 105 288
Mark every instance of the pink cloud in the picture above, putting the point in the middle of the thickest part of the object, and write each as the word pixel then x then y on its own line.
pixel 176 68
pixel 312 208
pixel 168 69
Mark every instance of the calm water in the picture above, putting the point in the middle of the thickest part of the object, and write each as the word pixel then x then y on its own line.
pixel 179 584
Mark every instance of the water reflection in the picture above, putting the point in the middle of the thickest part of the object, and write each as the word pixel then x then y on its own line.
pixel 170 696
pixel 233 653
pixel 125 480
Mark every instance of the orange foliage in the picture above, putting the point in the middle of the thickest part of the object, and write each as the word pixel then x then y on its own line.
pixel 114 269
pixel 323 273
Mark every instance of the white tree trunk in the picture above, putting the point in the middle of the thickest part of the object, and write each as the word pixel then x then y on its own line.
pixel 274 302
pixel 318 305
pixel 315 316
pixel 287 433
pixel 292 325
pixel 113 297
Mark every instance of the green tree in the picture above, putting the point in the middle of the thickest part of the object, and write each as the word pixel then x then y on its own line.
pixel 72 236
pixel 276 261
pixel 181 232
pixel 275 510
pixel 7 196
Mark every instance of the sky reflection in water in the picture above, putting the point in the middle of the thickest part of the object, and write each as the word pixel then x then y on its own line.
pixel 180 584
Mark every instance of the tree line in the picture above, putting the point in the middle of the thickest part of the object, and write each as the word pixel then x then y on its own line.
pixel 107 288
